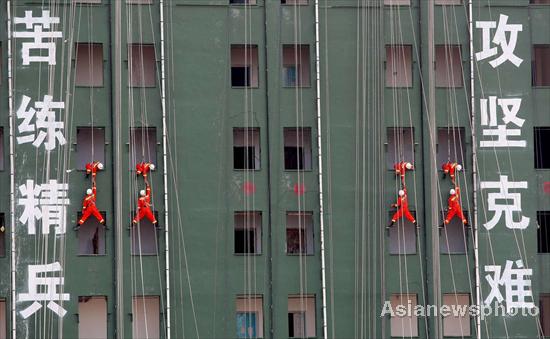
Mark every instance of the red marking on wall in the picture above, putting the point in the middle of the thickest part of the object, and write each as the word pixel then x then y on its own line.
pixel 546 187
pixel 249 188
pixel 299 189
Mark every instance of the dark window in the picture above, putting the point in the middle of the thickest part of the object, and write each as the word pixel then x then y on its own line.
pixel 299 233
pixel 399 66
pixel 541 65
pixel 244 65
pixel 90 146
pixel 400 145
pixel 92 317
pixel 144 237
pixel 297 148
pixel 143 145
pixel 296 72
pixel 448 66
pixel 454 237
pixel 91 237
pixel 542 141
pixel 89 65
pixel 450 145
pixel 246 148
pixel 402 236
pixel 540 2
pixel 296 324
pixel 248 230
pixel 543 232
pixel 242 2
pixel 141 65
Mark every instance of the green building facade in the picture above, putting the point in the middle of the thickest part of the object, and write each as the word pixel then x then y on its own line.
pixel 274 127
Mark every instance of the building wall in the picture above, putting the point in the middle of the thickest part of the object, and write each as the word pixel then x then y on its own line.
pixel 360 115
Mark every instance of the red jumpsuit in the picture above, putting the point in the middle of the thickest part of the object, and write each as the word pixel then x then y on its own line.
pixel 144 208
pixel 454 208
pixel 450 169
pixel 402 209
pixel 93 168
pixel 400 169
pixel 89 208
pixel 143 168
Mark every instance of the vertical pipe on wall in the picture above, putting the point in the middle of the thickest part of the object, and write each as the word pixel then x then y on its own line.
pixel 474 164
pixel 320 160
pixel 165 166
pixel 433 195
pixel 12 173
pixel 117 165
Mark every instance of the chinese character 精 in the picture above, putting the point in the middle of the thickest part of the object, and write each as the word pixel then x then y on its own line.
pixel 47 202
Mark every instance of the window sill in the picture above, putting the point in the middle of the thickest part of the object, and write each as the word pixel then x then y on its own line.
pixel 300 254
pixel 247 254
pixel 91 255
pixel 541 86
pixel 89 86
pixel 402 255
pixel 245 87
pixel 298 170
pixel 145 255
pixel 247 169
pixel 300 87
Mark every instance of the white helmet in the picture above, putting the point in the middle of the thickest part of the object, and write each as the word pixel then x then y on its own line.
pixel 100 166
pixel 89 191
pixel 142 193
pixel 408 165
pixel 401 193
pixel 152 167
pixel 452 191
pixel 459 167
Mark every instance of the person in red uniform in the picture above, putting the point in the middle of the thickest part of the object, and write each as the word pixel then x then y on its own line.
pixel 402 206
pixel 401 168
pixel 144 207
pixel 451 168
pixel 454 208
pixel 92 168
pixel 89 207
pixel 143 168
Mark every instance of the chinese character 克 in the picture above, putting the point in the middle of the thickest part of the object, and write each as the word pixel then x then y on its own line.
pixel 508 209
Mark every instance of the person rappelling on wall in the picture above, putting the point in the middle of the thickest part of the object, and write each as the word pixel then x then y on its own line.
pixel 451 168
pixel 402 206
pixel 92 168
pixel 401 168
pixel 89 207
pixel 454 208
pixel 143 168
pixel 144 207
